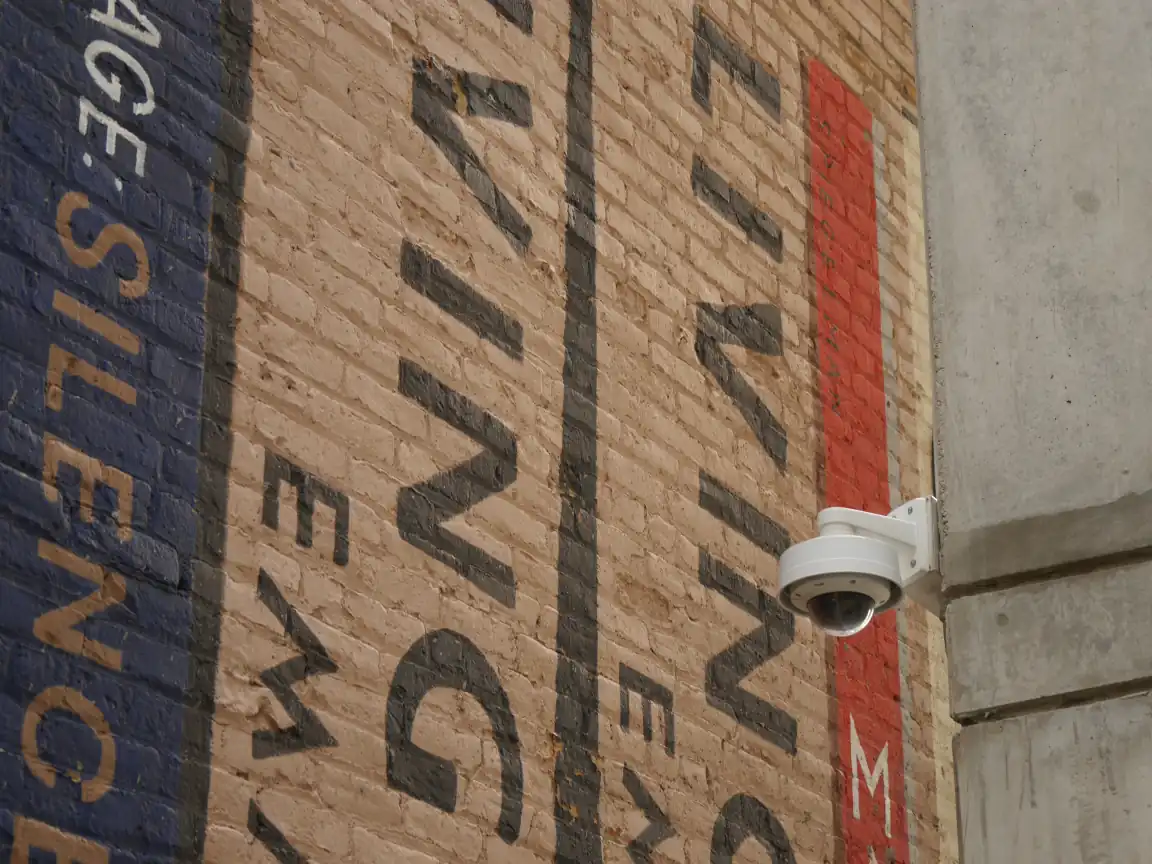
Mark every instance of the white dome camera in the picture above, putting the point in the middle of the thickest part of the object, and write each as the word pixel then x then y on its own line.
pixel 862 564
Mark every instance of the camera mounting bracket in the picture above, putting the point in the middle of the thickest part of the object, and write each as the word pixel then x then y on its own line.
pixel 911 528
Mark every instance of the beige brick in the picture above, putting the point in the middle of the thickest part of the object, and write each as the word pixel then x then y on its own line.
pixel 223 845
pixel 368 848
pixel 286 43
pixel 279 80
pixel 299 12
pixel 329 117
pixel 338 176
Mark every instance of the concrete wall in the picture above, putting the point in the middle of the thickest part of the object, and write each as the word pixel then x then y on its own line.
pixel 1040 293
pixel 1037 197
pixel 1066 786
pixel 404 405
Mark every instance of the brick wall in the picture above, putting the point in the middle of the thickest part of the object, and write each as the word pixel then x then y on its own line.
pixel 404 405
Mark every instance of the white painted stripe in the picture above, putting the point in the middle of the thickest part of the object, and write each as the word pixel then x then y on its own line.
pixel 888 290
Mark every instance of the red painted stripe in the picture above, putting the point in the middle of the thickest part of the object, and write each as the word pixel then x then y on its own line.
pixel 845 264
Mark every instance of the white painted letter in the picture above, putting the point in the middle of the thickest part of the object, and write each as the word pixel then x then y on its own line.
pixel 142 31
pixel 110 84
pixel 872 777
pixel 115 130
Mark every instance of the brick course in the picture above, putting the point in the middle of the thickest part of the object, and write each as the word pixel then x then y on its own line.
pixel 478 393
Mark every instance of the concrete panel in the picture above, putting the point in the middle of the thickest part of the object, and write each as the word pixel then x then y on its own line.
pixel 1037 186
pixel 1045 542
pixel 1047 639
pixel 1065 787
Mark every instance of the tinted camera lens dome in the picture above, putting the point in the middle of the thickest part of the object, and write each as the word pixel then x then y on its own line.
pixel 842 613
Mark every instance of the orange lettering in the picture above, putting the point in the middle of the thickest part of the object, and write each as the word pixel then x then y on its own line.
pixel 92 471
pixel 110 236
pixel 28 834
pixel 58 627
pixel 61 363
pixel 99 324
pixel 67 699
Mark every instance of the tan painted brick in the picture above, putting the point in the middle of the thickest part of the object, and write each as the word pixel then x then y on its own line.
pixel 280 80
pixel 368 848
pixel 283 42
pixel 338 176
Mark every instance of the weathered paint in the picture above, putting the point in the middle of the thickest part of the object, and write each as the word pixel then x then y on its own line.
pixel 845 263
pixel 110 115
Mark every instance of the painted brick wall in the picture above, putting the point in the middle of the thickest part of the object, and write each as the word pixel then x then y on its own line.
pixel 404 405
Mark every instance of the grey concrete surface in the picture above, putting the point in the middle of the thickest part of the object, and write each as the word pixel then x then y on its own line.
pixel 1035 129
pixel 1072 786
pixel 998 553
pixel 1058 638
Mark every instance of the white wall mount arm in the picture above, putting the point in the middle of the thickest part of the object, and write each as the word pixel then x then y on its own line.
pixel 912 529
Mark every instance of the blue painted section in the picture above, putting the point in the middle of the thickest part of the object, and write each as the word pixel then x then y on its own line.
pixel 43 157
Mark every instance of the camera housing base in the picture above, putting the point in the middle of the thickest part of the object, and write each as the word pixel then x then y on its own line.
pixel 882 558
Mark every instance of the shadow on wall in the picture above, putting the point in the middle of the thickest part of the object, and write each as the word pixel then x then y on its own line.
pixel 123 164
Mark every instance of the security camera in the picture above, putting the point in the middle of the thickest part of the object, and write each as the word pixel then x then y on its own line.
pixel 862 564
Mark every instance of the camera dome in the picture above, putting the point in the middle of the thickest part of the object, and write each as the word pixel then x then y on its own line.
pixel 840 581
pixel 842 613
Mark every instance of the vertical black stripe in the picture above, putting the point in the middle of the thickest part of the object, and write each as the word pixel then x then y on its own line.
pixel 577 777
pixel 235 28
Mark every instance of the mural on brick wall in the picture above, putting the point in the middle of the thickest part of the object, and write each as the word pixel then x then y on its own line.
pixel 845 264
pixel 260 601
